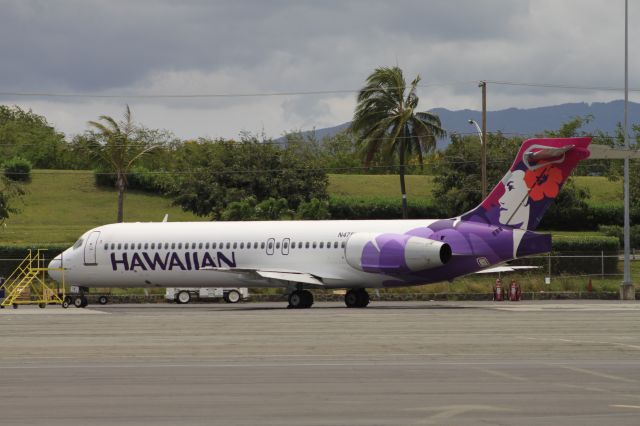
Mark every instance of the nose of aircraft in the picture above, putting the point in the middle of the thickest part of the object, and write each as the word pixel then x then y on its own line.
pixel 54 268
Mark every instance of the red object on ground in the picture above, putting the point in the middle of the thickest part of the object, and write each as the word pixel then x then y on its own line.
pixel 590 285
pixel 515 293
pixel 498 295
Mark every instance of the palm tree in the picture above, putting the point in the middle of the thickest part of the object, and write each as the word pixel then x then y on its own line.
pixel 387 121
pixel 118 149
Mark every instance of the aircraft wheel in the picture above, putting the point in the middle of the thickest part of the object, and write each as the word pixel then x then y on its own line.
pixel 300 299
pixel 308 298
pixel 77 302
pixel 233 296
pixel 103 300
pixel 183 297
pixel 357 298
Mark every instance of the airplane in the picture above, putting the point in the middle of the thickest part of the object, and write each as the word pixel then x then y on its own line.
pixel 355 255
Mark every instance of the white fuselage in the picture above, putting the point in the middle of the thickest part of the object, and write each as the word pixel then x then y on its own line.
pixel 196 254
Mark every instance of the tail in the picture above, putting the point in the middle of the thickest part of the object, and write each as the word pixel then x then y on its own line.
pixel 534 180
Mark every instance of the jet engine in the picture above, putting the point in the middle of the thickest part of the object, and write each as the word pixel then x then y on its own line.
pixel 395 253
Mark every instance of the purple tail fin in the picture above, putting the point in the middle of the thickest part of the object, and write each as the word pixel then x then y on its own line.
pixel 523 195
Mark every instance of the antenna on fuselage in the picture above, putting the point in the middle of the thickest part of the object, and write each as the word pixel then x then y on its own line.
pixel 166 218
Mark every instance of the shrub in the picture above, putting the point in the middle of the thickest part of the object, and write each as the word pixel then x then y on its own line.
pixel 591 247
pixel 139 178
pixel 618 232
pixel 17 169
pixel 313 210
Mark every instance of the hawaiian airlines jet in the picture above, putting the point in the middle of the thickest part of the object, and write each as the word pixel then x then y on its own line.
pixel 348 254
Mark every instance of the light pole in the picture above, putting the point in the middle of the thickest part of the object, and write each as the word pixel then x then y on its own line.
pixel 483 155
pixel 627 290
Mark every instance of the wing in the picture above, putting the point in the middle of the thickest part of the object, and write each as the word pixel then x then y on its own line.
pixel 283 276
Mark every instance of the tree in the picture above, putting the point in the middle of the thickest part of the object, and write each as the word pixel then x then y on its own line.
pixel 29 135
pixel 386 120
pixel 211 174
pixel 8 192
pixel 118 148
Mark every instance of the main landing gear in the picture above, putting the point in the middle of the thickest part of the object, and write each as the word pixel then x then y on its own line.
pixel 78 300
pixel 357 298
pixel 300 299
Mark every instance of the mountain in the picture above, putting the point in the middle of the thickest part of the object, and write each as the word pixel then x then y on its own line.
pixel 526 121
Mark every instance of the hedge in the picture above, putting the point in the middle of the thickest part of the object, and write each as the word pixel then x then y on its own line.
pixel 348 207
pixel 592 246
pixel 11 256
pixel 139 178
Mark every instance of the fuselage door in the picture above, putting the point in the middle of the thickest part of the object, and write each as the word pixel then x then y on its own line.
pixel 285 246
pixel 90 248
pixel 271 242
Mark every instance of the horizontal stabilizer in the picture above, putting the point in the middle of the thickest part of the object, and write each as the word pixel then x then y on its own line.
pixel 505 268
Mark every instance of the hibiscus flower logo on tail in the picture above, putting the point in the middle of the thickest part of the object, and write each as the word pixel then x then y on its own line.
pixel 543 182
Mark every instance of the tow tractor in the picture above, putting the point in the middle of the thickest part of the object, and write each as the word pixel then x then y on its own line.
pixel 184 295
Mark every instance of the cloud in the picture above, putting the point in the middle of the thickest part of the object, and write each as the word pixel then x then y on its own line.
pixel 246 47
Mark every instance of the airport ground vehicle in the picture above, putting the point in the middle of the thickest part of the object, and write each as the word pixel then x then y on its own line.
pixel 229 294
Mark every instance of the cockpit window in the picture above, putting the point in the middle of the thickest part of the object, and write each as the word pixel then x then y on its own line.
pixel 78 243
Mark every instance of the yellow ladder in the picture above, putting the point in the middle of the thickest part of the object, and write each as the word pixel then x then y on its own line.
pixel 30 275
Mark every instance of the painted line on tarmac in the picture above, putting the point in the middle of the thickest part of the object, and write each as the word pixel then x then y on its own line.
pixel 60 311
pixel 582 342
pixel 637 407
pixel 597 374
pixel 502 374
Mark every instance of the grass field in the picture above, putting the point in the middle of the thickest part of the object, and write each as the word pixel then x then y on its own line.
pixel 62 205
pixel 601 189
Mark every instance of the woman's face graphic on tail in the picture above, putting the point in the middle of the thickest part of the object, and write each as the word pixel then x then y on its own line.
pixel 514 206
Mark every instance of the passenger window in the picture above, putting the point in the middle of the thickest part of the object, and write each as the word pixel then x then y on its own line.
pixel 119 246
pixel 342 245
pixel 278 245
pixel 285 245
pixel 213 245
pixel 200 245
pixel 180 246
pixel 193 245
pixel 166 246
pixel 321 244
pixel 173 246
pixel 106 246
pixel 300 244
pixel 206 246
pixel 306 245
pixel 235 246
pixel 262 245
pixel 270 245
pixel 335 244
pixel 228 246
pixel 146 246
pixel 153 246
pixel 242 245
pixel 126 246
pixel 255 245
pixel 314 244
pixel 113 246
pixel 293 245
pixel 328 244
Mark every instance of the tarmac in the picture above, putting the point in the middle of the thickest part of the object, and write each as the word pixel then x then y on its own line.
pixel 393 363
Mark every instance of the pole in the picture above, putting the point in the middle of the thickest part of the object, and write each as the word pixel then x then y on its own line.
pixel 483 148
pixel 627 291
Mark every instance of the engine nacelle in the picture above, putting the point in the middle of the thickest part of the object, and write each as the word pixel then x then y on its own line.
pixel 394 253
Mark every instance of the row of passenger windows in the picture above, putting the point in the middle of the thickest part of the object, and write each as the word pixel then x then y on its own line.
pixel 242 245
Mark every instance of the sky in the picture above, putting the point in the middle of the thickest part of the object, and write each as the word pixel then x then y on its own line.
pixel 113 52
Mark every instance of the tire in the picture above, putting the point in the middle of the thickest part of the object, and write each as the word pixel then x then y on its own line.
pixel 233 296
pixel 77 301
pixel 42 305
pixel 65 303
pixel 103 300
pixel 296 300
pixel 351 299
pixel 85 302
pixel 183 297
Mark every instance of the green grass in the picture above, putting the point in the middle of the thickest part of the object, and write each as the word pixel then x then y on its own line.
pixel 380 185
pixel 60 205
pixel 602 190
